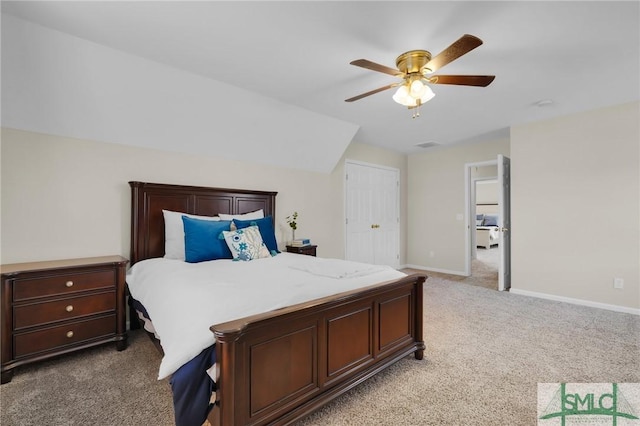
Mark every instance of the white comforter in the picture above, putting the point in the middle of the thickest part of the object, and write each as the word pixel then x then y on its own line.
pixel 185 299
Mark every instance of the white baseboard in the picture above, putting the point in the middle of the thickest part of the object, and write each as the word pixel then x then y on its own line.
pixel 442 271
pixel 608 307
pixel 616 308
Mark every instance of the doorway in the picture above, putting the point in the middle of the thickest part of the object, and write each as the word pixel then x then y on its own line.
pixel 488 207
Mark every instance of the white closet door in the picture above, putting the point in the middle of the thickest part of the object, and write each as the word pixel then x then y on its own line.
pixel 372 214
pixel 359 193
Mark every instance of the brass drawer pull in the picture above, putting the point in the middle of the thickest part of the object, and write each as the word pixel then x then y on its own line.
pixel 69 308
pixel 69 334
pixel 69 284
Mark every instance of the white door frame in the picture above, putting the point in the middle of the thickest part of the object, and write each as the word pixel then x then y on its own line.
pixel 470 209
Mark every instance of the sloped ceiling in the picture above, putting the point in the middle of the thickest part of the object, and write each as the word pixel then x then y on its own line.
pixel 284 67
pixel 58 84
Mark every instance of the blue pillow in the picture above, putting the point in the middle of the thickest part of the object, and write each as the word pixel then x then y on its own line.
pixel 201 240
pixel 265 225
pixel 490 220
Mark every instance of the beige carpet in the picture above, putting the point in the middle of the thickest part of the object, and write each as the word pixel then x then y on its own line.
pixel 484 270
pixel 486 352
pixel 98 386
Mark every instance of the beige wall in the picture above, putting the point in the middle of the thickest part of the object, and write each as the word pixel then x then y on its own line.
pixel 575 206
pixel 486 192
pixel 64 197
pixel 436 238
pixel 576 178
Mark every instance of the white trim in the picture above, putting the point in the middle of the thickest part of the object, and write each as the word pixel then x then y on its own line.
pixel 441 271
pixel 608 307
pixel 363 163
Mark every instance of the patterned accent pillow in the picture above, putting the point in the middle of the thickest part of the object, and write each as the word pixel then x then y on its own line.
pixel 265 225
pixel 246 243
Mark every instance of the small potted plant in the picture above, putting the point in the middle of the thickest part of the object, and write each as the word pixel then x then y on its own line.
pixel 292 221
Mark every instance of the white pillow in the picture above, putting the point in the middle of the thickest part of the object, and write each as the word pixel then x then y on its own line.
pixel 258 214
pixel 174 233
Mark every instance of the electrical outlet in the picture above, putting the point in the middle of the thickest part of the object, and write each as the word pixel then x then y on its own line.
pixel 432 253
pixel 618 283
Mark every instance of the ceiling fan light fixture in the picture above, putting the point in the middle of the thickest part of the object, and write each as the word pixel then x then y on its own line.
pixel 409 93
pixel 415 68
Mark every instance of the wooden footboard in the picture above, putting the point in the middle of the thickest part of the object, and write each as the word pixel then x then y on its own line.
pixel 280 366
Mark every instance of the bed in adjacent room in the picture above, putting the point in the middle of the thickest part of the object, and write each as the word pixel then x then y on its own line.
pixel 258 337
pixel 487 230
pixel 487 236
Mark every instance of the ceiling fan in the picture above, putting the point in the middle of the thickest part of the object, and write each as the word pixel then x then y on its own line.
pixel 415 68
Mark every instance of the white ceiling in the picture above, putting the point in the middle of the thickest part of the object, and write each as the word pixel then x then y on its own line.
pixel 579 55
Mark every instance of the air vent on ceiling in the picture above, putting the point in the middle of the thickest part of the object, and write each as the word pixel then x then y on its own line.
pixel 428 144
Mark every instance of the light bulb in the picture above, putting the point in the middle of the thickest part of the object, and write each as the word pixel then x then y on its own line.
pixel 418 89
pixel 402 95
pixel 428 94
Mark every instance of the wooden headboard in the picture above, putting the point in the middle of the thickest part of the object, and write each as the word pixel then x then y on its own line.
pixel 149 199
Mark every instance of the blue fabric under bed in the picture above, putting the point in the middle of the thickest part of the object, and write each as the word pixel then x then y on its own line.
pixel 190 384
pixel 192 388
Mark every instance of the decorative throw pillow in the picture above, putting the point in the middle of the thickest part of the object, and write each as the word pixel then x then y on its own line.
pixel 265 225
pixel 174 232
pixel 201 241
pixel 246 243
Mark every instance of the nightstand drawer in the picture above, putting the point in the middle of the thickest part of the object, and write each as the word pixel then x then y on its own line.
pixel 25 289
pixel 58 310
pixel 309 250
pixel 58 337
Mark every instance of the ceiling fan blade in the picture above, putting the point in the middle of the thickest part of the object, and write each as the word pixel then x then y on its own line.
pixel 463 80
pixel 364 95
pixel 377 67
pixel 463 45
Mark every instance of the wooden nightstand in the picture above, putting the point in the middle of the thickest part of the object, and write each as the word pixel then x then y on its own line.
pixel 308 250
pixel 57 307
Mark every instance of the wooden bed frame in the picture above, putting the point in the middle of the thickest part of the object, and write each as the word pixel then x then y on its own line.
pixel 279 366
